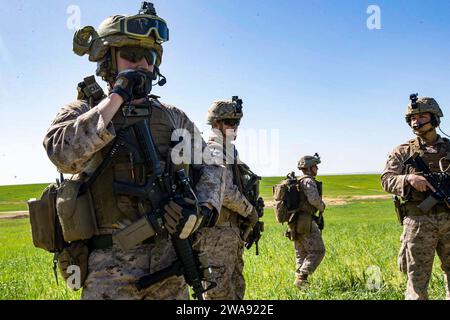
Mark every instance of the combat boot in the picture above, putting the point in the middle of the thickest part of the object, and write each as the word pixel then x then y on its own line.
pixel 301 282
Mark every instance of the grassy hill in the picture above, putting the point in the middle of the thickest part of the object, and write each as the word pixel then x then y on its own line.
pixel 361 239
pixel 14 198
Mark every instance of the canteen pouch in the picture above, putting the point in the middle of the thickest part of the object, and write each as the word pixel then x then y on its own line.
pixel 303 225
pixel 46 230
pixel 73 264
pixel 76 212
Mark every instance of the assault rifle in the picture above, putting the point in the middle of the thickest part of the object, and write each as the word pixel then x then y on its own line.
pixel 251 191
pixel 320 221
pixel 440 181
pixel 159 190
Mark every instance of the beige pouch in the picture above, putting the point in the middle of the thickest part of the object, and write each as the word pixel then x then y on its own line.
pixel 73 264
pixel 45 227
pixel 76 213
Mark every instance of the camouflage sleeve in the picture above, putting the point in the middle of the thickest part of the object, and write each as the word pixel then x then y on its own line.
pixel 210 185
pixel 75 135
pixel 312 193
pixel 393 178
pixel 233 199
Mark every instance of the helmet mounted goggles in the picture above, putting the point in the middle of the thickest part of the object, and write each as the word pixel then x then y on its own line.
pixel 142 26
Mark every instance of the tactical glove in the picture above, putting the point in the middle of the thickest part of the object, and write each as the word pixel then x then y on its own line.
pixel 252 218
pixel 133 84
pixel 181 217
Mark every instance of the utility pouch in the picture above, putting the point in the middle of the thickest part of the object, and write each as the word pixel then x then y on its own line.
pixel 73 264
pixel 76 212
pixel 45 227
pixel 400 209
pixel 304 221
pixel 133 234
pixel 291 233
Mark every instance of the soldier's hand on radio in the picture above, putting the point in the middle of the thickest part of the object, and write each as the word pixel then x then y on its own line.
pixel 180 217
pixel 419 183
pixel 133 84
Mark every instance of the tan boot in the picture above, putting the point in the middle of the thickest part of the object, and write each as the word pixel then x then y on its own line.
pixel 301 282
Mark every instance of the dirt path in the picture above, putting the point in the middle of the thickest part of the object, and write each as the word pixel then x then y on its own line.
pixel 269 204
pixel 14 215
pixel 342 201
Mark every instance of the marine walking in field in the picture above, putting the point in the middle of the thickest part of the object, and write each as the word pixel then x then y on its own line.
pixel 224 243
pixel 129 211
pixel 297 200
pixel 416 174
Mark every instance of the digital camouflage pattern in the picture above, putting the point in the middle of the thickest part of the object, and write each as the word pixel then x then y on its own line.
pixel 223 243
pixel 224 109
pixel 234 202
pixel 225 250
pixel 309 187
pixel 309 247
pixel 78 133
pixel 113 272
pixel 97 44
pixel 423 235
pixel 424 104
pixel 309 251
pixel 393 178
pixel 307 162
pixel 74 143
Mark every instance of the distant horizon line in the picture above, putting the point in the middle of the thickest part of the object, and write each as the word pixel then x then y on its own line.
pixel 325 174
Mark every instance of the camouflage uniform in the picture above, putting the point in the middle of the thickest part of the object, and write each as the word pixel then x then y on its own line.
pixel 74 143
pixel 223 243
pixel 79 140
pixel 309 246
pixel 423 234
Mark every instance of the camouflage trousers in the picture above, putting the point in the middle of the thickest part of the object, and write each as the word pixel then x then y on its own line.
pixel 309 251
pixel 422 237
pixel 112 273
pixel 225 249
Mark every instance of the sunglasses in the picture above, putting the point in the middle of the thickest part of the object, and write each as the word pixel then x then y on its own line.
pixel 231 122
pixel 135 54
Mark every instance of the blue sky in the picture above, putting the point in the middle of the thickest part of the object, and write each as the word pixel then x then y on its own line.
pixel 310 69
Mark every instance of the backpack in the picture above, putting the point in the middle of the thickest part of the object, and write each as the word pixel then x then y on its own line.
pixel 287 198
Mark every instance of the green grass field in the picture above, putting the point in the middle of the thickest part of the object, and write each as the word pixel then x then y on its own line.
pixel 359 235
pixel 14 198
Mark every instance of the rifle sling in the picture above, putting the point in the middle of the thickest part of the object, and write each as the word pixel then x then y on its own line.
pixel 106 161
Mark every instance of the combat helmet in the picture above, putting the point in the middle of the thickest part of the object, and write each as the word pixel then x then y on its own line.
pixel 225 109
pixel 145 30
pixel 422 105
pixel 307 162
